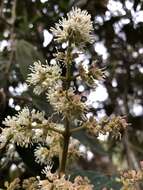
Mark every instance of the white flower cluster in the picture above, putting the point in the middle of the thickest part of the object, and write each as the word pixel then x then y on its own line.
pixel 42 77
pixel 21 127
pixel 44 154
pixel 66 102
pixel 25 118
pixel 77 28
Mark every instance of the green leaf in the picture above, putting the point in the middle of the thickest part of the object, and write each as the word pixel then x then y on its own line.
pixel 99 180
pixel 41 103
pixel 26 55
pixel 91 142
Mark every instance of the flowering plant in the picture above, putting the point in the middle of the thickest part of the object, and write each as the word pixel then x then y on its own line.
pixel 55 139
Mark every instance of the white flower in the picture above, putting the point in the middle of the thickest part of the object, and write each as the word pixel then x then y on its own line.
pixel 76 28
pixel 47 171
pixel 53 141
pixel 21 129
pixel 42 155
pixel 22 138
pixel 16 135
pixel 43 76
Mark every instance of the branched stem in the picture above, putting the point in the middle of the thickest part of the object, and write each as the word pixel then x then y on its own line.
pixel 67 132
pixel 56 130
pixel 49 128
pixel 77 129
pixel 20 98
pixel 65 147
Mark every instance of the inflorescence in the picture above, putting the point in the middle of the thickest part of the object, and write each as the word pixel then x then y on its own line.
pixel 30 126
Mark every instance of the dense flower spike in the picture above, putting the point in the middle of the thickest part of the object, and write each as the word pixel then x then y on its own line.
pixel 76 28
pixel 43 76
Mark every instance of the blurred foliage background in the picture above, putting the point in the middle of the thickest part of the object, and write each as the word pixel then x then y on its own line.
pixel 118 47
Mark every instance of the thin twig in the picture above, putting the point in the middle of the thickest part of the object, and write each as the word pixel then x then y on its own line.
pixel 47 127
pixel 56 130
pixel 21 98
pixel 77 129
pixel 3 20
pixel 131 157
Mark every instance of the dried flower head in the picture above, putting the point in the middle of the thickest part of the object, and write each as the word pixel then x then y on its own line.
pixel 82 183
pixel 76 28
pixel 130 179
pixel 92 127
pixel 43 76
pixel 31 184
pixel 63 183
pixel 91 75
pixel 113 125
